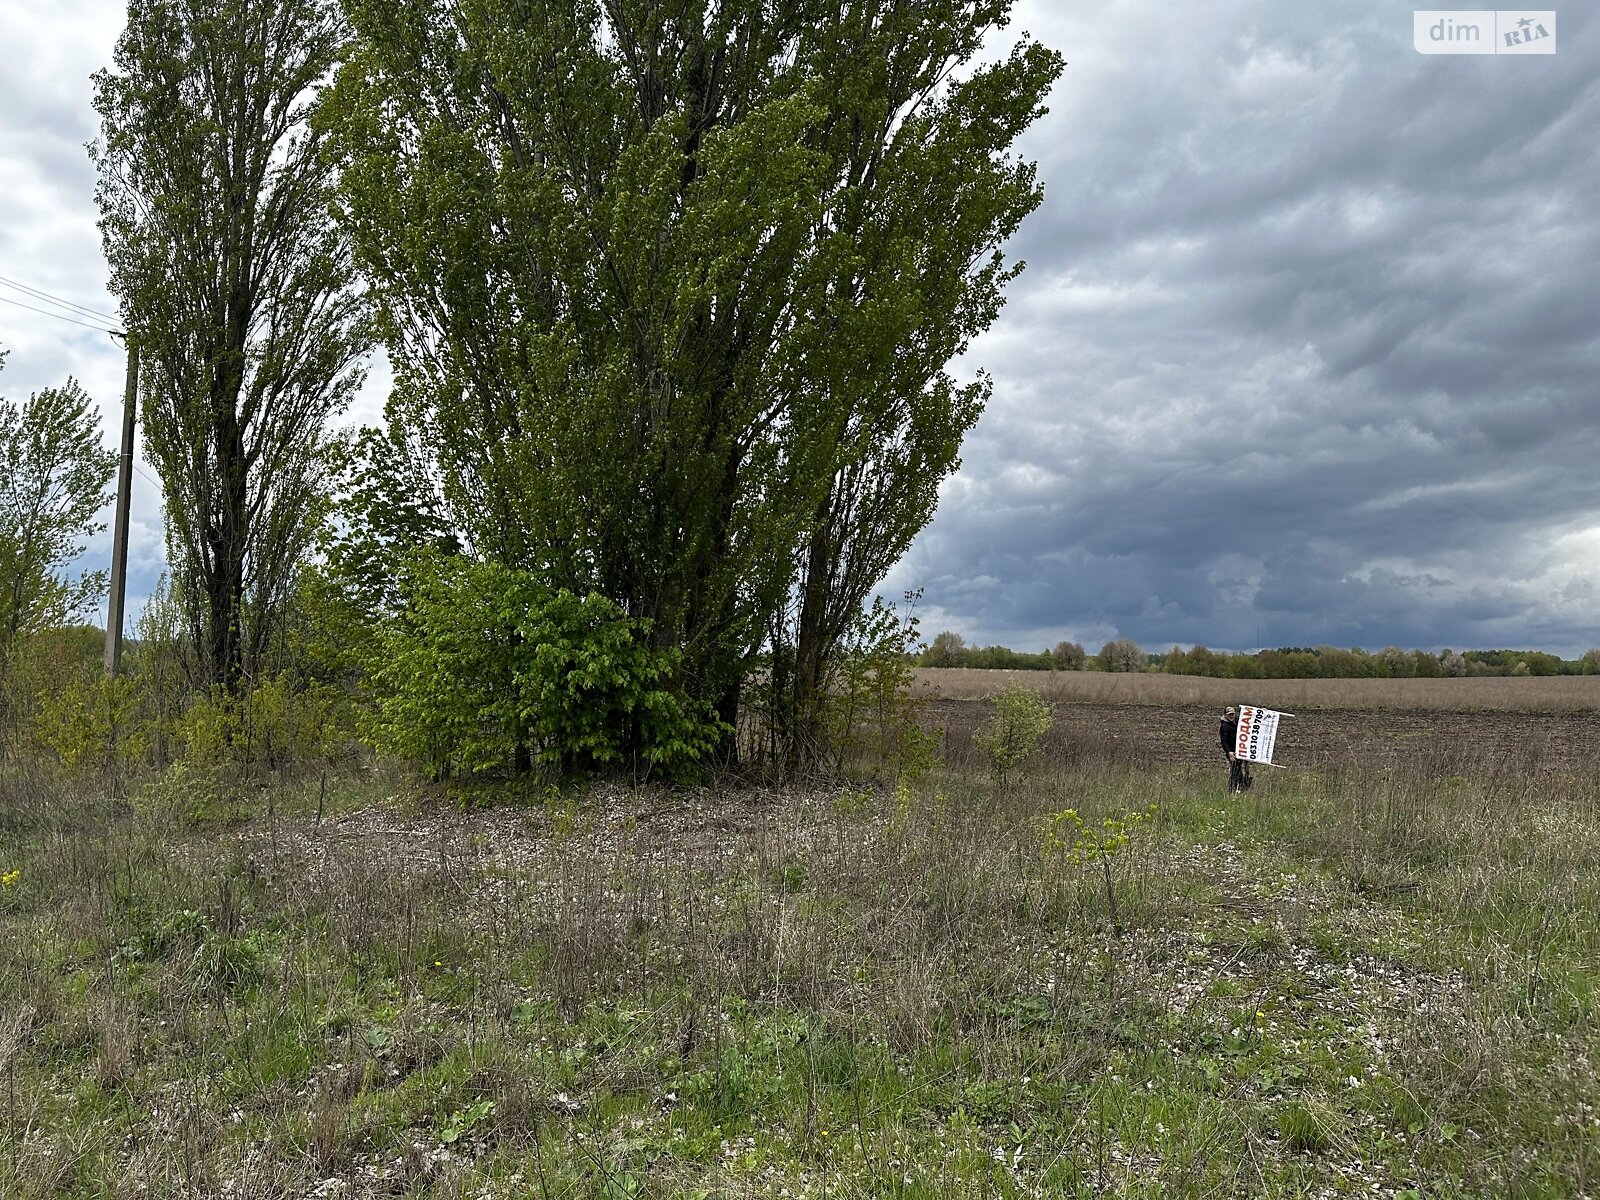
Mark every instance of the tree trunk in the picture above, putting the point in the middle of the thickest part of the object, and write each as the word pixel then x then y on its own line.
pixel 811 650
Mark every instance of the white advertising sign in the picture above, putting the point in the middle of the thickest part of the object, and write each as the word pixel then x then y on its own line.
pixel 1258 733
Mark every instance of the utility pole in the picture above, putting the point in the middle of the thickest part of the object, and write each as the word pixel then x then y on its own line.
pixel 119 543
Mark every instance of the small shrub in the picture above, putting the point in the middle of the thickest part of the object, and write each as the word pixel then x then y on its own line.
pixel 1021 718
pixel 191 792
pixel 870 708
pixel 1067 839
pixel 1068 842
pixel 91 725
pixel 464 1121
pixel 790 877
pixel 272 724
pixel 852 802
pixel 223 964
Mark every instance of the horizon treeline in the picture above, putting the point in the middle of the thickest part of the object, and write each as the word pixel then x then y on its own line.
pixel 949 649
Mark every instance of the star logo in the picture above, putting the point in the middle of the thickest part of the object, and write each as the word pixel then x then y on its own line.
pixel 1525 22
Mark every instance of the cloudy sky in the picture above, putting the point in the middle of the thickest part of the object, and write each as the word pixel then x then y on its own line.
pixel 1308 347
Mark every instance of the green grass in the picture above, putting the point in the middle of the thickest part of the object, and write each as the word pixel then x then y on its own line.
pixel 1339 984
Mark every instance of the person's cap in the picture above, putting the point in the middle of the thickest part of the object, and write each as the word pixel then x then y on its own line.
pixel 1229 711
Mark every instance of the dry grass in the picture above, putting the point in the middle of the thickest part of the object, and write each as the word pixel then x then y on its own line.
pixel 1563 693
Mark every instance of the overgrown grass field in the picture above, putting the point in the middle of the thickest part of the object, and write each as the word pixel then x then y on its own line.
pixel 1098 981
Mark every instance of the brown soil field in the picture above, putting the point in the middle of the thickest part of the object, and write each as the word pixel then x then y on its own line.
pixel 1561 693
pixel 1499 726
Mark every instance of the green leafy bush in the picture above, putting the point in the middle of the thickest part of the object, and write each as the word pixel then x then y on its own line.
pixel 91 723
pixel 272 724
pixel 1021 718
pixel 487 670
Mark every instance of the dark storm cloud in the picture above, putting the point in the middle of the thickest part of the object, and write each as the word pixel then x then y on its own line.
pixel 1306 350
pixel 1287 267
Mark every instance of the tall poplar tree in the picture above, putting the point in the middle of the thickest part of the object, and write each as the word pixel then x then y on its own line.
pixel 671 287
pixel 215 214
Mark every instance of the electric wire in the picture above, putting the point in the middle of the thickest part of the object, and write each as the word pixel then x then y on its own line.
pixel 46 313
pixel 79 309
pixel 41 294
pixel 84 309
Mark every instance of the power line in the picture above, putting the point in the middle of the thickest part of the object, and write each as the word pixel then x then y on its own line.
pixel 46 313
pixel 41 294
pixel 89 311
pixel 82 309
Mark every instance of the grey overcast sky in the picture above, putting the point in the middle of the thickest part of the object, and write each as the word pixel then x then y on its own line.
pixel 1308 347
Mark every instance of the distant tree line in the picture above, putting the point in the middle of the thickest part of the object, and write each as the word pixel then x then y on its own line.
pixel 949 649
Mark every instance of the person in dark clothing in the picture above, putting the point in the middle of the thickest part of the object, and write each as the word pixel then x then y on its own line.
pixel 1228 732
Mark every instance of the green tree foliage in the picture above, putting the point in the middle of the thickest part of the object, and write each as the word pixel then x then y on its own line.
pixel 947 649
pixel 1289 662
pixel 1244 666
pixel 487 668
pixel 54 478
pixel 1427 666
pixel 1321 662
pixel 214 196
pixel 1508 662
pixel 391 514
pixel 88 721
pixel 1540 663
pixel 1395 663
pixel 34 673
pixel 392 509
pixel 1021 718
pixel 1122 655
pixel 1000 658
pixel 1068 656
pixel 1196 661
pixel 670 292
pixel 1331 662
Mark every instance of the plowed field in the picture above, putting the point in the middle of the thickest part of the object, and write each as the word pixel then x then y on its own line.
pixel 1318 739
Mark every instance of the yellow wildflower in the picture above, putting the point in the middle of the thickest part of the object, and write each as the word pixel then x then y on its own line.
pixel 9 879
